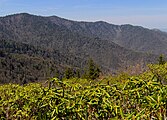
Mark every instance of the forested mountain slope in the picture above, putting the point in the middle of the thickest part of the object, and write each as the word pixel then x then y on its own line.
pixel 128 36
pixel 60 43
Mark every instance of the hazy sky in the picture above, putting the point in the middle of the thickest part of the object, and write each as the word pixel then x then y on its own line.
pixel 147 13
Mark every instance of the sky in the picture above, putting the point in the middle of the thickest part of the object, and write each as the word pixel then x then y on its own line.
pixel 146 13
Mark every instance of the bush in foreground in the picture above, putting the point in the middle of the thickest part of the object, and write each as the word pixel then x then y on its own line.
pixel 140 97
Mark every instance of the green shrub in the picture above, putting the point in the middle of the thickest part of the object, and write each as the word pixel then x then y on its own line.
pixel 137 97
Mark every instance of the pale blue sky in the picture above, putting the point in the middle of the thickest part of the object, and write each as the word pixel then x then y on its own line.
pixel 147 13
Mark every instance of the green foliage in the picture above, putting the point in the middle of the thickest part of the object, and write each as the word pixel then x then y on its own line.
pixel 93 71
pixel 159 71
pixel 136 97
pixel 69 73
pixel 161 60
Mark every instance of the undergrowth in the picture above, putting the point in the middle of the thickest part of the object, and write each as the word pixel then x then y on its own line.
pixel 120 97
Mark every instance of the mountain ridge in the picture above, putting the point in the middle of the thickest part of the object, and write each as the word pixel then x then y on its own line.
pixel 111 32
pixel 76 42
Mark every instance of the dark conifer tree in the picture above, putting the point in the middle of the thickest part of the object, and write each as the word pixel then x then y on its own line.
pixel 161 60
pixel 69 73
pixel 93 70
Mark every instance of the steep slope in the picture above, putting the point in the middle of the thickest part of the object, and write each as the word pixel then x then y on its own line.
pixel 22 63
pixel 131 37
pixel 56 40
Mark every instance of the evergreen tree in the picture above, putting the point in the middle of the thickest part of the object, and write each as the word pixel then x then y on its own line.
pixel 78 75
pixel 161 60
pixel 93 70
pixel 69 73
